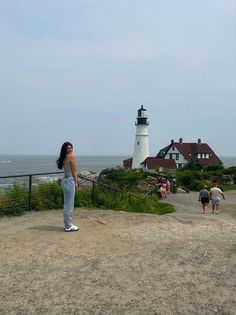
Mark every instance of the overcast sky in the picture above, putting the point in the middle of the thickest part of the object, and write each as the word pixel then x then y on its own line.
pixel 78 70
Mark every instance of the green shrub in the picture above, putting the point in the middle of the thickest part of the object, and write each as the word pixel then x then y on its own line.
pixel 131 203
pixel 83 197
pixel 47 196
pixel 121 178
pixel 14 201
pixel 50 196
pixel 194 179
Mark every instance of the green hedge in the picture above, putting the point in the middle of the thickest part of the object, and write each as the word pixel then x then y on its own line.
pixel 14 201
pixel 194 179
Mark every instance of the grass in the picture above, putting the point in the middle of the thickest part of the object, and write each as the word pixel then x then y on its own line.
pixel 45 196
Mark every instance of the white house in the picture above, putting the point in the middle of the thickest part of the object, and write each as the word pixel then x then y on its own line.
pixel 184 153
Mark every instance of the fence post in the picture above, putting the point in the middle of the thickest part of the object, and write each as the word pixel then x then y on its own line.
pixel 93 193
pixel 30 192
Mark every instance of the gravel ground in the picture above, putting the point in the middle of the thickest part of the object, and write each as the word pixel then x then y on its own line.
pixel 121 263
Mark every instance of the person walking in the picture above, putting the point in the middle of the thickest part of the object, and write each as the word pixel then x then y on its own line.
pixel 69 184
pixel 215 195
pixel 174 186
pixel 164 189
pixel 204 198
pixel 168 186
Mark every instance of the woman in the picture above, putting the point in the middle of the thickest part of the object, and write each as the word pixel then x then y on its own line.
pixel 69 183
pixel 164 189
pixel 204 198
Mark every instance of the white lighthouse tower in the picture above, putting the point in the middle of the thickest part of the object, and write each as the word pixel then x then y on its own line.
pixel 141 145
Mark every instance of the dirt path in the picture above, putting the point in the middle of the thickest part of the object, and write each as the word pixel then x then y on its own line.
pixel 121 263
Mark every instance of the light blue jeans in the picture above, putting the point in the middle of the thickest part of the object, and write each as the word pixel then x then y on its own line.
pixel 68 187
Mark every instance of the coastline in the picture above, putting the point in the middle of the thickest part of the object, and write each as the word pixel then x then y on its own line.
pixel 13 165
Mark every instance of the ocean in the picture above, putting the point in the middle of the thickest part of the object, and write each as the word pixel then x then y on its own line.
pixel 11 165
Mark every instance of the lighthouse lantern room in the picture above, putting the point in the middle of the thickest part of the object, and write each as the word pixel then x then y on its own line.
pixel 141 145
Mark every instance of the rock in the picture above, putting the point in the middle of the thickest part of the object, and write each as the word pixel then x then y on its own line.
pixel 180 190
pixel 91 176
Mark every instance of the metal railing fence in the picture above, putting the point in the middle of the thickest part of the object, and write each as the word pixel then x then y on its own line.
pixel 29 180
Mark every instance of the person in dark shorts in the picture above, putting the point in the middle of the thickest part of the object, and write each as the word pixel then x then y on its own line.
pixel 204 198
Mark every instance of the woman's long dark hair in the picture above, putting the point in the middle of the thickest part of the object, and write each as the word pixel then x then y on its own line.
pixel 63 154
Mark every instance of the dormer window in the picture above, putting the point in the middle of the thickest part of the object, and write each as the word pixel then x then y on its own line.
pixel 203 155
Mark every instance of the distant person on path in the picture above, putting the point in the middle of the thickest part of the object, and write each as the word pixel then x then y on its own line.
pixel 215 195
pixel 174 186
pixel 164 189
pixel 158 189
pixel 69 184
pixel 204 198
pixel 168 186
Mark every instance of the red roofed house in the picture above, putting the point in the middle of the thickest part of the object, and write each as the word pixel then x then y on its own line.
pixel 153 163
pixel 161 164
pixel 183 153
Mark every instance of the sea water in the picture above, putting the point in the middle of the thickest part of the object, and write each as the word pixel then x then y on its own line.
pixel 11 165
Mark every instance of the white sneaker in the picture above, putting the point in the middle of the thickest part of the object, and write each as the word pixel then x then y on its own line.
pixel 72 228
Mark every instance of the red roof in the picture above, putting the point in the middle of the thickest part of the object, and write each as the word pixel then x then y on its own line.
pixel 190 152
pixel 154 162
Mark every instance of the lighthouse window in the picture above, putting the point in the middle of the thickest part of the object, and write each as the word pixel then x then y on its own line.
pixel 138 143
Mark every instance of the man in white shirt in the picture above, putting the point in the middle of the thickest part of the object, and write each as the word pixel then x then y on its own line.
pixel 215 195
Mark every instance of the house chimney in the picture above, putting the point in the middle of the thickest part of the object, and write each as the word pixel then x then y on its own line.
pixel 180 140
pixel 172 141
pixel 199 141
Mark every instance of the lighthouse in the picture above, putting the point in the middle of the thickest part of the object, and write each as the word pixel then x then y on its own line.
pixel 141 145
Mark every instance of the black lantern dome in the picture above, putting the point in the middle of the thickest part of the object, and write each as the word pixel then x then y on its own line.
pixel 142 117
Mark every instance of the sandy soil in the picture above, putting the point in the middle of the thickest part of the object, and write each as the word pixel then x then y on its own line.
pixel 121 263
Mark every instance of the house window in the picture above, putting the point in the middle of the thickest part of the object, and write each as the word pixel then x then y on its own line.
pixel 207 156
pixel 177 156
pixel 173 148
pixel 199 155
pixel 170 156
